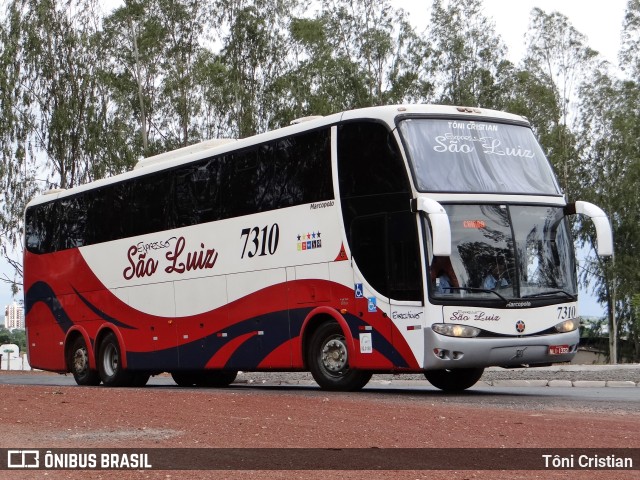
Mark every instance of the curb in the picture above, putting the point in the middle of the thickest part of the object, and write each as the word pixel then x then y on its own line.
pixel 483 383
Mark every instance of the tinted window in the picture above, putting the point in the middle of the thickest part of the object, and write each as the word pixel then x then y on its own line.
pixel 369 160
pixel 385 248
pixel 375 191
pixel 286 172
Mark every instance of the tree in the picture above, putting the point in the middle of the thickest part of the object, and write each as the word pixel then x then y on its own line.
pixel 130 42
pixel 378 46
pixel 610 174
pixel 467 55
pixel 58 119
pixel 17 153
pixel 182 22
pixel 558 56
pixel 254 57
pixel 351 54
pixel 629 52
pixel 60 71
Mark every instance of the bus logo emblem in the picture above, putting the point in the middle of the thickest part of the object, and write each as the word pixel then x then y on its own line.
pixel 520 326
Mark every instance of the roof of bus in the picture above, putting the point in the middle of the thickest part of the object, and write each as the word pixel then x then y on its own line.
pixel 207 148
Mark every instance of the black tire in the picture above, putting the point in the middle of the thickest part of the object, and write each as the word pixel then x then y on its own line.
pixel 140 379
pixel 110 364
pixel 78 364
pixel 328 361
pixel 185 379
pixel 455 380
pixel 216 378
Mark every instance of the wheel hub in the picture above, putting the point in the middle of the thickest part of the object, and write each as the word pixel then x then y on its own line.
pixel 334 355
pixel 111 360
pixel 80 361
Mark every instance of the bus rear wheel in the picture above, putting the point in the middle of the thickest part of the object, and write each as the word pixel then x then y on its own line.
pixel 78 364
pixel 110 364
pixel 329 362
pixel 454 380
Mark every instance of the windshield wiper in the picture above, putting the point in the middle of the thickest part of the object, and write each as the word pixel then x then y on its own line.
pixel 550 292
pixel 483 290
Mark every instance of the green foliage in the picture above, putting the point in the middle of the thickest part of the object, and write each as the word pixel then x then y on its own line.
pixel 466 53
pixel 16 336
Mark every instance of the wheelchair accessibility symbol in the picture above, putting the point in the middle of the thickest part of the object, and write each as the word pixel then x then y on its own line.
pixel 371 304
pixel 358 290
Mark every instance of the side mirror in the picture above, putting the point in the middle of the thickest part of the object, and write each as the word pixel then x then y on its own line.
pixel 440 228
pixel 601 222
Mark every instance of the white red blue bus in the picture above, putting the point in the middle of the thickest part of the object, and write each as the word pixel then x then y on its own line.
pixel 397 239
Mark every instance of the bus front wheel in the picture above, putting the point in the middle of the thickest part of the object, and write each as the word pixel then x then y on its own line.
pixel 329 362
pixel 110 364
pixel 78 364
pixel 454 380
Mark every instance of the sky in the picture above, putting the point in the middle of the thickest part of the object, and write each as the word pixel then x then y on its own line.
pixel 601 22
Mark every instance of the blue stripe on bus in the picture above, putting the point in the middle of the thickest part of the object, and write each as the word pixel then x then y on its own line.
pixel 41 292
pixel 250 354
pixel 101 314
pixel 195 355
pixel 380 343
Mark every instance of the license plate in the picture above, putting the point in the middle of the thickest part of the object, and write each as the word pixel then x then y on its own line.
pixel 558 349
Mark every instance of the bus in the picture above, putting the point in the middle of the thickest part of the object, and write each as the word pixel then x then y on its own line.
pixel 393 239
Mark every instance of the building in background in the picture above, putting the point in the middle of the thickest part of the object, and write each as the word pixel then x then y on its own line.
pixel 14 316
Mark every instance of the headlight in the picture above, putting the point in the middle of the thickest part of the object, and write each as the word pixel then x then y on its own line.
pixel 567 325
pixel 455 330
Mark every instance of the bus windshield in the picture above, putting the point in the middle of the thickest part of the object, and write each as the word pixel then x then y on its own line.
pixel 470 157
pixel 506 252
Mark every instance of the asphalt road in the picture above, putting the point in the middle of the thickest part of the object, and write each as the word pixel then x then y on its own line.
pixel 529 398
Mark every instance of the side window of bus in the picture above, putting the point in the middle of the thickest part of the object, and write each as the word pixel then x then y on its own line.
pixel 375 192
pixel 108 213
pixel 241 170
pixel 303 169
pixel 385 248
pixel 369 160
pixel 73 228
pixel 150 203
pixel 405 278
pixel 369 250
pixel 311 157
pixel 39 228
pixel 197 193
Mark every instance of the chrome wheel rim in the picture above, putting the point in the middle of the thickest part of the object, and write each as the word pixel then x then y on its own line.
pixel 334 355
pixel 110 360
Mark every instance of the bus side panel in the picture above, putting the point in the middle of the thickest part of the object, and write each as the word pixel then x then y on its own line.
pixel 194 346
pixel 45 338
pixel 253 331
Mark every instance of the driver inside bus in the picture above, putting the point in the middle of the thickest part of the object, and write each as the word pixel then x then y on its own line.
pixel 443 277
pixel 495 278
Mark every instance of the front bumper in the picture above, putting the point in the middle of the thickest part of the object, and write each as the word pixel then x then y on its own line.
pixel 443 352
